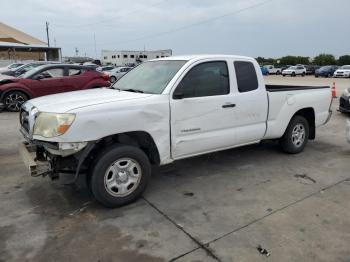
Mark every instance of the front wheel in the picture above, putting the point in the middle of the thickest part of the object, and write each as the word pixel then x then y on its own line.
pixel 296 135
pixel 120 175
pixel 13 100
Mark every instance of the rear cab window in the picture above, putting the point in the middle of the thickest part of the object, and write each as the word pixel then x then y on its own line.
pixel 246 76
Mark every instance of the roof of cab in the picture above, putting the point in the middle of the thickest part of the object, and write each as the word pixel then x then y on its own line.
pixel 204 56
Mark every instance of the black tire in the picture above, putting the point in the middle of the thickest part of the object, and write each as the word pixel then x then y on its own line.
pixel 13 100
pixel 303 74
pixel 112 79
pixel 283 75
pixel 316 76
pixel 293 74
pixel 99 173
pixel 329 75
pixel 286 141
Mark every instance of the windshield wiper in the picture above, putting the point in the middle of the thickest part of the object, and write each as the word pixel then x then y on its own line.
pixel 132 90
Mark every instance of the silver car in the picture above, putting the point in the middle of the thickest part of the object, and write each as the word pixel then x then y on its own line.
pixel 117 73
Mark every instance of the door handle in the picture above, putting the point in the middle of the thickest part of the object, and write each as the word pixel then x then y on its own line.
pixel 228 105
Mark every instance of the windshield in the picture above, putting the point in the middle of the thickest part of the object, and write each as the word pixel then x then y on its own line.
pixel 150 77
pixel 325 68
pixel 292 67
pixel 345 67
pixel 29 71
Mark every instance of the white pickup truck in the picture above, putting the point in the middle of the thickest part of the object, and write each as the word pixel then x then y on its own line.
pixel 161 111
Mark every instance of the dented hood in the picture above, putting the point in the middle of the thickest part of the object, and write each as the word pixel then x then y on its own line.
pixel 64 102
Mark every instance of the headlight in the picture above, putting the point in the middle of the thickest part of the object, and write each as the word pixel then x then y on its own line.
pixel 52 124
pixel 346 92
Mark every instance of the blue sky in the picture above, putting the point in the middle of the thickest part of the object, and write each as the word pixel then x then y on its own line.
pixel 269 28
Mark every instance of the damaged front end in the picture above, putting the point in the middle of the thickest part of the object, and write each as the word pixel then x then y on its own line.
pixel 46 158
pixel 53 159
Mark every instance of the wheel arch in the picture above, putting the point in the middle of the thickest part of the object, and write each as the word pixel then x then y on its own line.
pixel 18 89
pixel 140 139
pixel 309 114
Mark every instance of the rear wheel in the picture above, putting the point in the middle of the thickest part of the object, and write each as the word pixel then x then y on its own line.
pixel 293 74
pixel 120 175
pixel 296 135
pixel 13 100
pixel 303 74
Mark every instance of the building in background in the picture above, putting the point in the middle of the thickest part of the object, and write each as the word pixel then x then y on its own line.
pixel 122 58
pixel 18 46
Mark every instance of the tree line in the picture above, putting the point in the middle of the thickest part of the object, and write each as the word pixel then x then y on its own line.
pixel 321 60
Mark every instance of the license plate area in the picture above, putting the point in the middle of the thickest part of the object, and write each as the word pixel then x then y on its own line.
pixel 28 154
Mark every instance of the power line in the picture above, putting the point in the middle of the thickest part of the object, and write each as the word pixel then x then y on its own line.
pixel 112 18
pixel 192 25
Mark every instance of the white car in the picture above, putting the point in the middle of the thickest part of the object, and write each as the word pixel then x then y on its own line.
pixel 273 70
pixel 162 111
pixel 12 66
pixel 294 71
pixel 117 73
pixel 343 71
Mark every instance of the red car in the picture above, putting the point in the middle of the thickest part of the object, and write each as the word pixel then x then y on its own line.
pixel 47 80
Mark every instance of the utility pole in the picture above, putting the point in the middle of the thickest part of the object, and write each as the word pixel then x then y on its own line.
pixel 95 46
pixel 76 51
pixel 47 34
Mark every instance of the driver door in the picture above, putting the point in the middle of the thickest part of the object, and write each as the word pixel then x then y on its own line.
pixel 47 82
pixel 202 111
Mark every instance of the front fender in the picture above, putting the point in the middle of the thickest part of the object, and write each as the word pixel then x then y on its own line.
pixel 4 89
pixel 149 115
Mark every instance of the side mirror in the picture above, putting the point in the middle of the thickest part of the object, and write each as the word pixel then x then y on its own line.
pixel 39 77
pixel 178 94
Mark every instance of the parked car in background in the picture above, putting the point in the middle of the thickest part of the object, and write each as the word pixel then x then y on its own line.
pixel 326 71
pixel 311 69
pixel 10 67
pixel 90 64
pixel 48 79
pixel 343 71
pixel 162 111
pixel 273 70
pixel 285 67
pixel 25 68
pixel 295 71
pixel 117 73
pixel 344 101
pixel 105 68
pixel 264 70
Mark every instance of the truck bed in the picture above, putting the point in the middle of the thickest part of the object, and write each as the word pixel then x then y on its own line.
pixel 279 88
pixel 286 100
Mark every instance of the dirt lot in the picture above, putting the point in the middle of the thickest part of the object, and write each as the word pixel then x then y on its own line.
pixel 217 207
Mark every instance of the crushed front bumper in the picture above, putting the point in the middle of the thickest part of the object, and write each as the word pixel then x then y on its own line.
pixel 36 168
